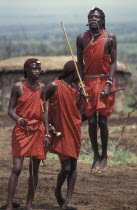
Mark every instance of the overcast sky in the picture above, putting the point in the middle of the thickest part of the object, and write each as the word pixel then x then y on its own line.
pixel 114 9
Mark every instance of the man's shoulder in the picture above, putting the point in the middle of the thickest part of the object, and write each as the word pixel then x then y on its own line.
pixel 81 36
pixel 51 88
pixel 41 84
pixel 52 84
pixel 111 35
pixel 17 84
pixel 17 87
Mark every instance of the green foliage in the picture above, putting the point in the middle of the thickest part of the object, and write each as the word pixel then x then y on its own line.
pixel 0 106
pixel 47 39
pixel 120 156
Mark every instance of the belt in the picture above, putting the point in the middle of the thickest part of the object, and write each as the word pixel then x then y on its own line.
pixel 96 76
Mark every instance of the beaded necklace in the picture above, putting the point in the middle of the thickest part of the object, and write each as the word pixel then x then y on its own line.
pixel 32 87
pixel 94 35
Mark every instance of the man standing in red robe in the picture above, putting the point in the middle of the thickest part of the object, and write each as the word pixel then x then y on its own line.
pixel 96 52
pixel 66 118
pixel 25 108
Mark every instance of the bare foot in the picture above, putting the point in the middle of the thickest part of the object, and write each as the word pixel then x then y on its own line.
pixel 59 198
pixel 69 206
pixel 42 163
pixel 96 164
pixel 103 164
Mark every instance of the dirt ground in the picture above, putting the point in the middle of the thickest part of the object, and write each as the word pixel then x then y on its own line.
pixel 115 189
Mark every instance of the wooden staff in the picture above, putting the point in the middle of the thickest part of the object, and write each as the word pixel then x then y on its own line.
pixel 125 125
pixel 81 82
pixel 113 91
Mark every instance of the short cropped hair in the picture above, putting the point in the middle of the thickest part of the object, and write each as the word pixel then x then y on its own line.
pixel 27 64
pixel 68 68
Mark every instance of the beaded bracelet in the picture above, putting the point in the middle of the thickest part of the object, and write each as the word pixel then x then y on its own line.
pixel 19 119
pixel 109 80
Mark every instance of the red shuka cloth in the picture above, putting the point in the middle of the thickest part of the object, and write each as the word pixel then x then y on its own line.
pixel 28 140
pixel 66 118
pixel 96 63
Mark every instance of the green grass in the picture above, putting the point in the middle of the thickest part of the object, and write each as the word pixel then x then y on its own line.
pixel 120 156
pixel 52 156
pixel 127 107
pixel 117 157
pixel 0 106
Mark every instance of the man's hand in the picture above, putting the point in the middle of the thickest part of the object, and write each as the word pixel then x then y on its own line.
pixel 82 90
pixel 106 91
pixel 53 132
pixel 47 141
pixel 22 121
pixel 51 129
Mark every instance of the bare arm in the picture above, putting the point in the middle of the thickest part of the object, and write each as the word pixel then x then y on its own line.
pixel 47 140
pixel 51 88
pixel 15 93
pixel 80 55
pixel 44 107
pixel 113 63
pixel 12 103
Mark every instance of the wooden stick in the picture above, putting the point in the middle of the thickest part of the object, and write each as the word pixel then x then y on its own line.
pixel 125 125
pixel 42 105
pixel 82 85
pixel 113 91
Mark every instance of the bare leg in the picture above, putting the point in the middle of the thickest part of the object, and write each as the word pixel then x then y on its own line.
pixel 92 122
pixel 102 121
pixel 71 180
pixel 32 182
pixel 13 179
pixel 65 169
